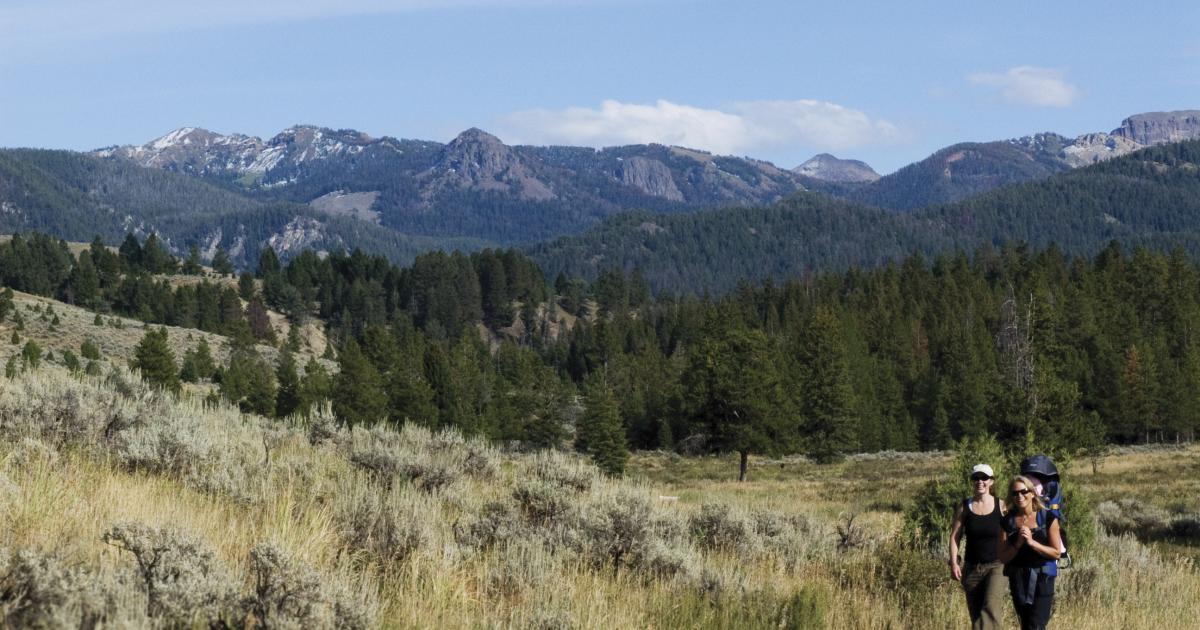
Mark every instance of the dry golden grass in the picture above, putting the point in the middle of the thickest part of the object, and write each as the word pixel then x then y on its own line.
pixel 276 486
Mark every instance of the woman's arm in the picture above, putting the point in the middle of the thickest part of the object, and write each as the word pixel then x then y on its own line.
pixel 956 533
pixel 1050 551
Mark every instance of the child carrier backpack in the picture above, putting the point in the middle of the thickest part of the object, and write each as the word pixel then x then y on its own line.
pixel 1042 469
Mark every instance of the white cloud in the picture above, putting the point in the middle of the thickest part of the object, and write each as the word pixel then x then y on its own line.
pixel 1028 85
pixel 741 128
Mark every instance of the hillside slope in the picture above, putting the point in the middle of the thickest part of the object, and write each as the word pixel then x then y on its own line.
pixel 76 196
pixel 1151 197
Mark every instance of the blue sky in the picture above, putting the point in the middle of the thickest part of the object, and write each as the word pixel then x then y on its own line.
pixel 886 82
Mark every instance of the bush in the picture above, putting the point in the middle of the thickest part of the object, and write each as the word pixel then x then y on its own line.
pixel 183 581
pixel 554 468
pixel 376 524
pixel 289 594
pixel 718 527
pixel 496 523
pixel 38 591
pixel 542 504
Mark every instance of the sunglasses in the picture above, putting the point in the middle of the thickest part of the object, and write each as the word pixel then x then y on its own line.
pixel 1021 492
pixel 980 478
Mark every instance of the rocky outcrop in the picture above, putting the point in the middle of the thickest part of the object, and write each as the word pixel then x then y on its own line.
pixel 478 160
pixel 1091 148
pixel 832 169
pixel 649 176
pixel 1158 127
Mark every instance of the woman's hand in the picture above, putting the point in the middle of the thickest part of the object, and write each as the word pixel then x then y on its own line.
pixel 1026 535
pixel 955 571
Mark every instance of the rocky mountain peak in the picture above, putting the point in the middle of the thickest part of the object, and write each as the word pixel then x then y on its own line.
pixel 477 159
pixel 1158 127
pixel 830 168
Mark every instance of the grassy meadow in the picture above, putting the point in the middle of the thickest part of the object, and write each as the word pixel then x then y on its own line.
pixel 251 522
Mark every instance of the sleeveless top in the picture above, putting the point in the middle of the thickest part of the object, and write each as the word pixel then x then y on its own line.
pixel 1026 557
pixel 983 532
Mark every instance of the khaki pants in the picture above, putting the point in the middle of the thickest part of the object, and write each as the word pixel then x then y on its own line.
pixel 986 589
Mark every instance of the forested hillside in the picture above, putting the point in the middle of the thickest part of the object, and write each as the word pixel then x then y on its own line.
pixel 76 196
pixel 1013 342
pixel 1151 197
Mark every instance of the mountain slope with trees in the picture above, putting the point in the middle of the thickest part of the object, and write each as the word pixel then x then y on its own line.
pixel 76 196
pixel 1151 197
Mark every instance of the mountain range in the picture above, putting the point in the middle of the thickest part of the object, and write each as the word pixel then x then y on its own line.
pixel 1150 197
pixel 318 188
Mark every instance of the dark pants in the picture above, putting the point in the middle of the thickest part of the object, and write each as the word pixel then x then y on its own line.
pixel 1035 616
pixel 984 587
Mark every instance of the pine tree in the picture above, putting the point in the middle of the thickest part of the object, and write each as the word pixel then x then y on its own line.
pixel 601 432
pixel 1138 395
pixel 828 400
pixel 10 367
pixel 358 396
pixel 246 285
pixel 192 265
pixel 249 382
pixel 259 320
pixel 89 350
pixel 155 258
pixel 316 386
pixel 221 263
pixel 83 286
pixel 735 391
pixel 287 396
pixel 31 354
pixel 70 361
pixel 153 357
pixel 131 254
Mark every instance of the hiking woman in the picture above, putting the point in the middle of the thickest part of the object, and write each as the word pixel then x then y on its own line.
pixel 1032 539
pixel 982 573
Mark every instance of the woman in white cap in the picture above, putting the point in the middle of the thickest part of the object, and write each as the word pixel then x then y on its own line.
pixel 982 573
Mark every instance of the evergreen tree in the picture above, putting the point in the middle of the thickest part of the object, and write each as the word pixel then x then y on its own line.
pixel 192 265
pixel 287 396
pixel 155 258
pixel 89 350
pixel 83 287
pixel 316 386
pixel 70 361
pixel 358 396
pixel 153 357
pixel 601 433
pixel 131 254
pixel 10 367
pixel 735 392
pixel 1138 396
pixel 246 285
pixel 221 263
pixel 249 382
pixel 259 320
pixel 828 401
pixel 268 263
pixel 31 354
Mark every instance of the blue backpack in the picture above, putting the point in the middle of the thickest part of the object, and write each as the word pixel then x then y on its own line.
pixel 1042 468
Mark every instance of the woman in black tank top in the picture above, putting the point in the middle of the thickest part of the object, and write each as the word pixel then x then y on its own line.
pixel 981 573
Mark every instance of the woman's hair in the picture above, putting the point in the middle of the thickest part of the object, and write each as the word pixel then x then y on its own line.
pixel 1033 493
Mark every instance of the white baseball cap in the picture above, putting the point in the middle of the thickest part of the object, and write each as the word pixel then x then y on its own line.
pixel 983 468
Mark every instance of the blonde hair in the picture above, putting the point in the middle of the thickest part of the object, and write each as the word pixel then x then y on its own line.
pixel 1031 487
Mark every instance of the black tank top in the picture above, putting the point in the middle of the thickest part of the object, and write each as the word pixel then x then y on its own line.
pixel 983 532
